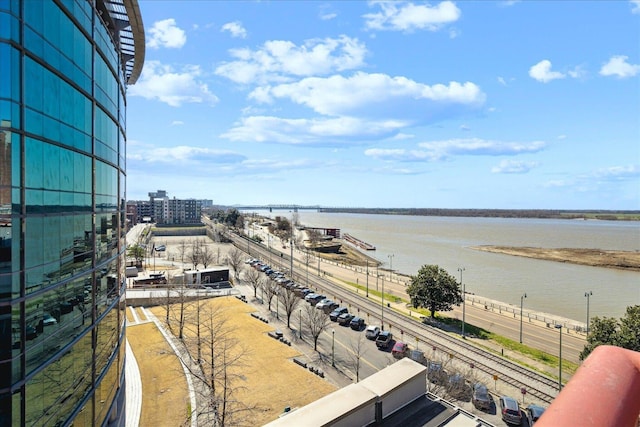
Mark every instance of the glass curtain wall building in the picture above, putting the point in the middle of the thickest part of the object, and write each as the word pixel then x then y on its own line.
pixel 64 69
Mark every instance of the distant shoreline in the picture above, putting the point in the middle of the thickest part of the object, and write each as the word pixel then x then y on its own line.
pixel 624 260
pixel 610 215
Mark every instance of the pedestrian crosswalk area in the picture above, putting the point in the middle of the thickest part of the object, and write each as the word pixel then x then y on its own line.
pixel 137 316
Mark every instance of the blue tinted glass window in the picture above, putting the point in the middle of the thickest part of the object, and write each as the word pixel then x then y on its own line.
pixel 34 166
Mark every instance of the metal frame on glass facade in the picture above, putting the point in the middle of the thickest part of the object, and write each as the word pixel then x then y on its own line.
pixel 65 67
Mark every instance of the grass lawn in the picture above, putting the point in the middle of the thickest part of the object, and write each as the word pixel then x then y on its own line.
pixel 267 381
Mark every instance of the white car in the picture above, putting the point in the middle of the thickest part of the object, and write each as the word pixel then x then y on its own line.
pixel 372 332
pixel 323 303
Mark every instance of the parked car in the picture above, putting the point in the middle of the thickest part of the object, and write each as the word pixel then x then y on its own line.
pixel 302 291
pixel 399 350
pixel 345 318
pixel 458 387
pixel 48 320
pixel 372 332
pixel 337 312
pixel 418 356
pixel 383 340
pixel 436 373
pixel 357 323
pixel 327 305
pixel 316 299
pixel 321 303
pixel 481 398
pixel 533 413
pixel 510 410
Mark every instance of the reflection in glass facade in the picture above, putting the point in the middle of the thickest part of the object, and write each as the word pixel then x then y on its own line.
pixel 64 67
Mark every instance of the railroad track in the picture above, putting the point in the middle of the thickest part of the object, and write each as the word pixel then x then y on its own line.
pixel 537 385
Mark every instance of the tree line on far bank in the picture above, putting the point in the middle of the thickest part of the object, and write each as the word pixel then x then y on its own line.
pixel 496 213
pixel 434 289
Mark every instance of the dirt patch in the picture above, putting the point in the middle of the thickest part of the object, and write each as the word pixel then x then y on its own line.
pixel 625 260
pixel 349 256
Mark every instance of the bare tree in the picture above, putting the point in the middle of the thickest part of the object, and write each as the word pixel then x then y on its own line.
pixel 221 366
pixel 253 278
pixel 316 321
pixel 270 289
pixel 314 237
pixel 194 254
pixel 206 255
pixel 235 260
pixel 182 247
pixel 358 350
pixel 290 301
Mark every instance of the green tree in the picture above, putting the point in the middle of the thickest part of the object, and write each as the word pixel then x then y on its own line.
pixel 136 252
pixel 623 333
pixel 434 289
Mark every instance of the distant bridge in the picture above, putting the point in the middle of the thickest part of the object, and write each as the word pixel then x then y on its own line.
pixel 279 207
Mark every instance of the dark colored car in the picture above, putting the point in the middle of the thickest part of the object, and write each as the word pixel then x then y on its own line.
pixel 345 318
pixel 337 312
pixel 533 413
pixel 383 340
pixel 357 323
pixel 510 410
pixel 481 398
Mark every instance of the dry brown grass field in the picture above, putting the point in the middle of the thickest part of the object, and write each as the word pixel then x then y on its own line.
pixel 165 400
pixel 266 379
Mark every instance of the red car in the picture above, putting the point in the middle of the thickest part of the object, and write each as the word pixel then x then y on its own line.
pixel 400 350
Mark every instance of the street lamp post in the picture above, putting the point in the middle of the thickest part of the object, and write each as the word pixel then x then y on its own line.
pixel 291 244
pixel 333 348
pixel 521 303
pixel 588 294
pixel 367 278
pixel 390 265
pixel 464 295
pixel 382 307
pixel 560 359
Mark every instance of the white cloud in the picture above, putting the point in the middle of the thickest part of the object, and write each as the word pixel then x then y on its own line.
pixel 166 34
pixel 407 16
pixel 235 29
pixel 343 130
pixel 443 150
pixel 619 67
pixel 635 6
pixel 618 173
pixel 172 87
pixel 465 128
pixel 513 166
pixel 184 154
pixel 502 81
pixel 279 60
pixel 400 155
pixel 480 147
pixel 177 123
pixel 377 95
pixel 542 72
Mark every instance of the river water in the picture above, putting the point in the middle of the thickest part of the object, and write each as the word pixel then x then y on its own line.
pixel 551 287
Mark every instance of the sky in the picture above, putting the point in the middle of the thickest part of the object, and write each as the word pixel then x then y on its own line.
pixel 469 104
